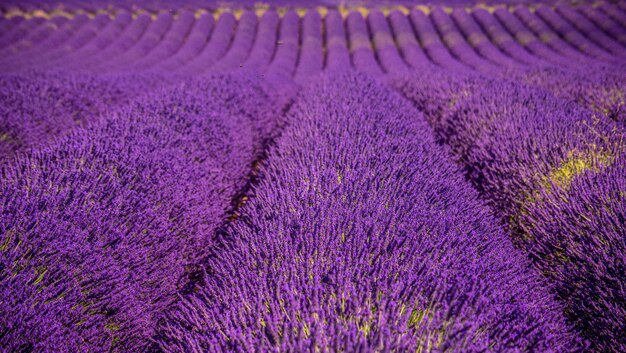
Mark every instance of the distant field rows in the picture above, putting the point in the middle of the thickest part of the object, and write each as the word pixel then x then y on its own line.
pixel 378 41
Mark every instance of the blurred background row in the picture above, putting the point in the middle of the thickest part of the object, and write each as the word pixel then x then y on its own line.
pixel 300 42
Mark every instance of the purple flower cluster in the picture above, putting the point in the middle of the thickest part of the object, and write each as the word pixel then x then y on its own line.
pixel 40 106
pixel 532 156
pixel 579 241
pixel 601 89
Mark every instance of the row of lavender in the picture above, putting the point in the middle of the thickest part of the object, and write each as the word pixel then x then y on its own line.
pixel 100 226
pixel 38 107
pixel 555 173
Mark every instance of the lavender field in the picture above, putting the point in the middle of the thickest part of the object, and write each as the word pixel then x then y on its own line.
pixel 312 176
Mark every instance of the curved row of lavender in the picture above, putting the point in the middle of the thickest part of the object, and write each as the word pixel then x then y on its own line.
pixel 601 89
pixel 191 41
pixel 40 106
pixel 100 226
pixel 360 235
pixel 532 156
